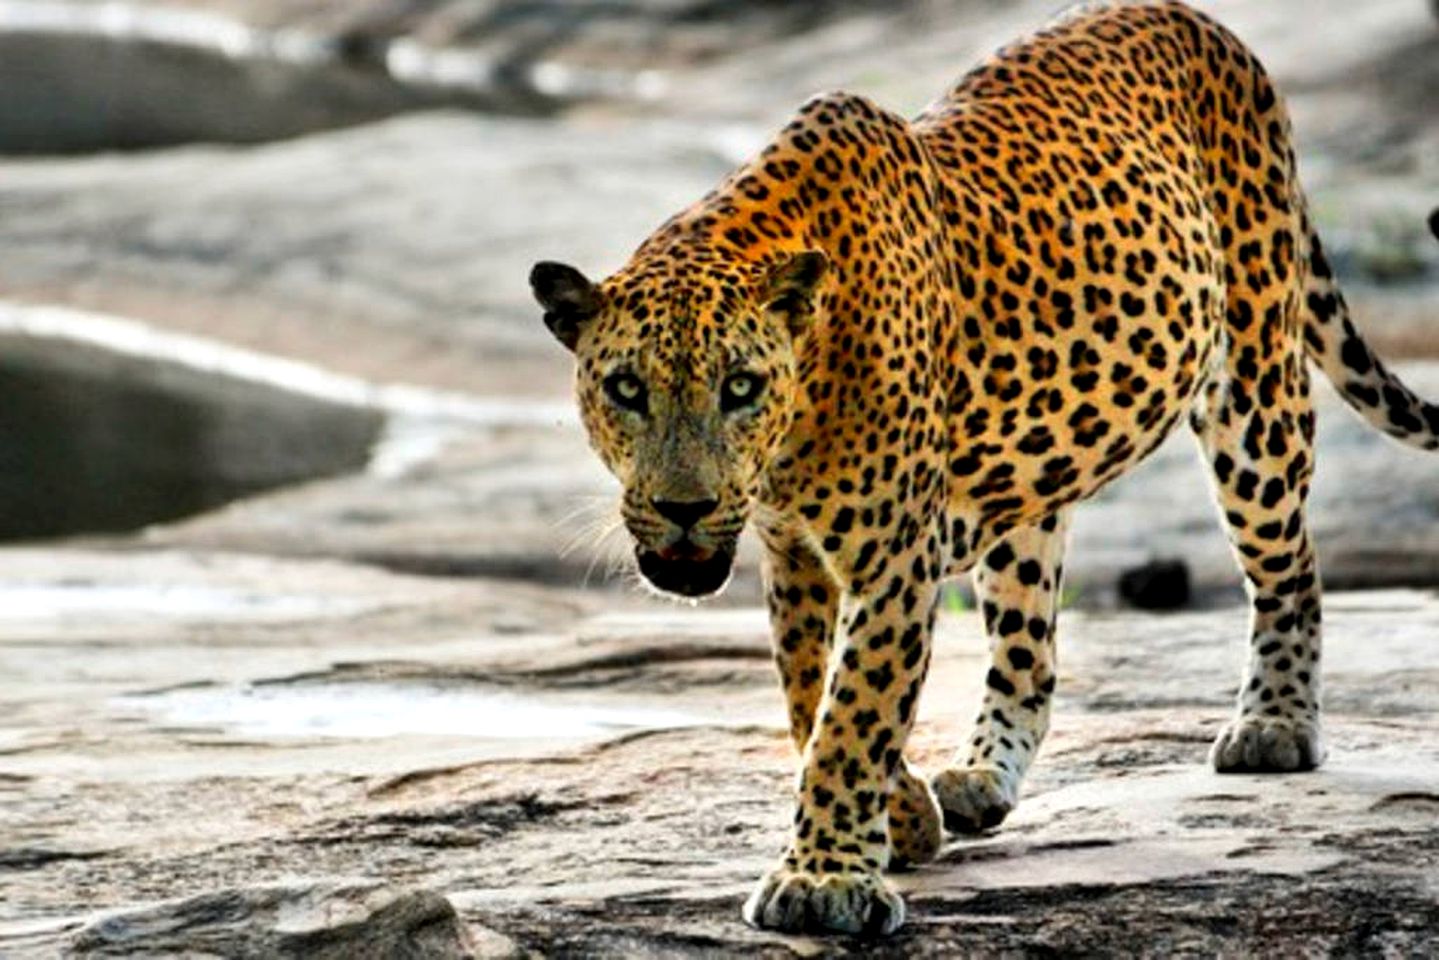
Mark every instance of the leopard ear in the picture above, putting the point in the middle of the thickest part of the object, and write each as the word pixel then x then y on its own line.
pixel 790 288
pixel 568 298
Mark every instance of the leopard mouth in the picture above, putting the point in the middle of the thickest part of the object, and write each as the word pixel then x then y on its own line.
pixel 687 573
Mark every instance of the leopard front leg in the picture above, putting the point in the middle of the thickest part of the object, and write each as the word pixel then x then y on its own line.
pixel 1017 584
pixel 803 602
pixel 830 876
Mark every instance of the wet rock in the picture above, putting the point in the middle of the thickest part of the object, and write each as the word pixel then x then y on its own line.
pixel 174 77
pixel 101 439
pixel 241 73
pixel 329 920
pixel 1161 584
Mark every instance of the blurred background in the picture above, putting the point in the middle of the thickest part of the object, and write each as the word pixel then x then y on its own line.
pixel 302 549
pixel 360 187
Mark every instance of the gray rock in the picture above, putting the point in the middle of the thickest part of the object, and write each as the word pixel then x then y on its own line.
pixel 324 920
pixel 161 90
pixel 398 251
pixel 228 72
pixel 99 439
pixel 638 830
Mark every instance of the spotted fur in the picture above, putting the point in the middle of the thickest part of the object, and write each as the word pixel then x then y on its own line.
pixel 904 348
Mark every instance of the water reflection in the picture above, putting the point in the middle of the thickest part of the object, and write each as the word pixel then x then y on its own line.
pixel 366 710
pixel 94 441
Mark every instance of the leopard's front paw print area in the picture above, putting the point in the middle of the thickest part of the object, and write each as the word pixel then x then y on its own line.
pixel 1268 744
pixel 974 798
pixel 796 901
pixel 915 830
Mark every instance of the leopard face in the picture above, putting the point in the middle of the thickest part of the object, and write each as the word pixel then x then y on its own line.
pixel 685 376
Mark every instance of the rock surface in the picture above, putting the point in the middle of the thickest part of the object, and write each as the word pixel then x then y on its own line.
pixel 99 439
pixel 591 774
pixel 327 921
pixel 241 72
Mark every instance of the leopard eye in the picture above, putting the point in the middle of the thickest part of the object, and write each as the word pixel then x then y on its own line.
pixel 740 390
pixel 627 391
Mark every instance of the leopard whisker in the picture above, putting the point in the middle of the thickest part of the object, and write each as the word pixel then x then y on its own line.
pixel 609 549
pixel 603 521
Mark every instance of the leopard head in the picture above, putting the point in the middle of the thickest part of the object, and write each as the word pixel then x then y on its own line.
pixel 686 368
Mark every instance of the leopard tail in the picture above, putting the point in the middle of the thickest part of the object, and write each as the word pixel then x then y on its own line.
pixel 1350 363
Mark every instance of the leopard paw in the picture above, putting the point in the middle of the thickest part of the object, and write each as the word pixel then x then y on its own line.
pixel 1268 744
pixel 915 830
pixel 973 798
pixel 797 901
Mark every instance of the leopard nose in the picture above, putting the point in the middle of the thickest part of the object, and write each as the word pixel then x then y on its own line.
pixel 686 513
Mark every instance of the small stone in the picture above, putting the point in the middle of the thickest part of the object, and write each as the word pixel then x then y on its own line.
pixel 1160 584
pixel 328 920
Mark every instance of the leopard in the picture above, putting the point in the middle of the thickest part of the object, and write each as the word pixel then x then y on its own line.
pixel 901 350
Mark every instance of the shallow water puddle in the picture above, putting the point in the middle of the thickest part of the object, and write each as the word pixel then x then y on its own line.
pixel 119 603
pixel 370 710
